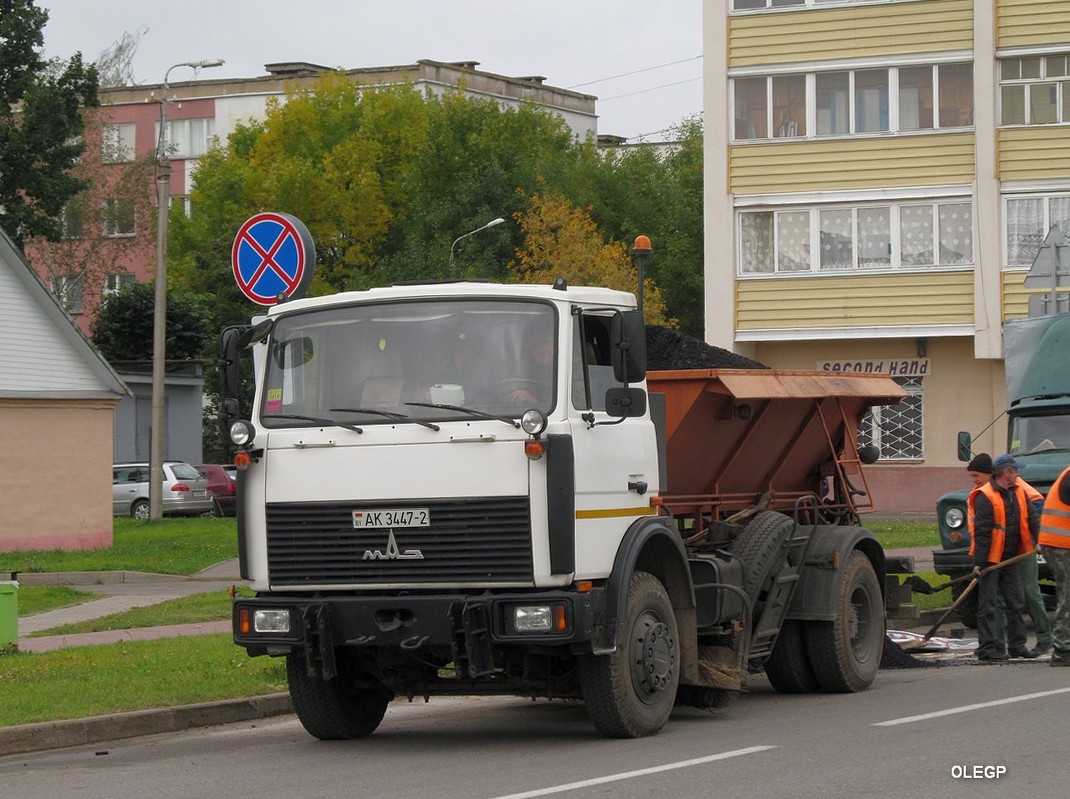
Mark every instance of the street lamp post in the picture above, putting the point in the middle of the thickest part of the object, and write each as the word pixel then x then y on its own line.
pixel 159 313
pixel 489 224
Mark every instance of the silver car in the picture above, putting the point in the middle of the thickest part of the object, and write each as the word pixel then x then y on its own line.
pixel 185 490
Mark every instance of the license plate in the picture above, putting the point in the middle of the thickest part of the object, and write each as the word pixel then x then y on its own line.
pixel 392 517
pixel 200 494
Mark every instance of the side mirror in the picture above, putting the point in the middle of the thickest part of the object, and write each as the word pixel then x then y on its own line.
pixel 965 446
pixel 230 348
pixel 628 347
pixel 625 402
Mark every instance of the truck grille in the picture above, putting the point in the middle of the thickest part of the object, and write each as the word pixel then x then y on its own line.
pixel 469 541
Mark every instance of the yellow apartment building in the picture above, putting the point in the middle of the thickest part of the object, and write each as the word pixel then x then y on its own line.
pixel 879 177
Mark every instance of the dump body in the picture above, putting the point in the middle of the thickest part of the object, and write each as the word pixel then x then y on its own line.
pixel 732 435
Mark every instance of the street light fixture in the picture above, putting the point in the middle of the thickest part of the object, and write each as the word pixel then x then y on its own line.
pixel 489 224
pixel 159 313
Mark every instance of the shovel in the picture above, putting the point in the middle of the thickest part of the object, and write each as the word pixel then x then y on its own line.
pixel 973 584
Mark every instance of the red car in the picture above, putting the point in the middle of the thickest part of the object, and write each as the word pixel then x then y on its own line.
pixel 223 486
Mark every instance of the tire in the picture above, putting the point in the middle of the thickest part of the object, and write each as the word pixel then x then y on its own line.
pixel 968 609
pixel 845 654
pixel 760 547
pixel 140 509
pixel 788 668
pixel 630 693
pixel 333 709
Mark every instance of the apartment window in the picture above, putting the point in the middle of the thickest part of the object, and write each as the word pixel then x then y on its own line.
pixel 1028 220
pixel 72 218
pixel 117 143
pixel 893 99
pixel 68 290
pixel 114 282
pixel 189 138
pixel 873 237
pixel 119 218
pixel 1035 90
pixel 896 430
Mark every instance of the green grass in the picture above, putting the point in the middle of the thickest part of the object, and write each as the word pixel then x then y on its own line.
pixel 169 546
pixel 38 598
pixel 901 534
pixel 209 606
pixel 941 599
pixel 132 675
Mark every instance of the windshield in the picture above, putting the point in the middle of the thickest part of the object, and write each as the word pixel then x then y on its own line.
pixel 1040 433
pixel 365 364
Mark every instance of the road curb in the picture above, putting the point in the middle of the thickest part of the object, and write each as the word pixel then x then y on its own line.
pixel 25 738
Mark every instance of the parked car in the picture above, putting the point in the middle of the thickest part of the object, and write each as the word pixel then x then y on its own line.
pixel 185 490
pixel 222 485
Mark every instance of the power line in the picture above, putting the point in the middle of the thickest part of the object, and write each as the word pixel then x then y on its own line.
pixel 651 89
pixel 635 72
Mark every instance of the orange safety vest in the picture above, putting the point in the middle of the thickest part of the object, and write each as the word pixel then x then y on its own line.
pixel 1031 494
pixel 999 519
pixel 1055 518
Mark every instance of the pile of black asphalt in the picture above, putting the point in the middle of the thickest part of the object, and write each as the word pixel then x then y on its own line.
pixel 668 349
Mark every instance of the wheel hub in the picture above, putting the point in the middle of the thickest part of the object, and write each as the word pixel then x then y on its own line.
pixel 654 661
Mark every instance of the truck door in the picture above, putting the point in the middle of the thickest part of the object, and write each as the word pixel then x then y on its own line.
pixel 616 469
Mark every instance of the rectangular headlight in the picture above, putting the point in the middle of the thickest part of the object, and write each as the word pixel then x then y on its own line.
pixel 271 621
pixel 532 618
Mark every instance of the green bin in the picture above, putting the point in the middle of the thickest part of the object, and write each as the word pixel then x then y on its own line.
pixel 9 614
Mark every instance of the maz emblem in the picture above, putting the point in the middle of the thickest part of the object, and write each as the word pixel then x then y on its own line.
pixel 392 552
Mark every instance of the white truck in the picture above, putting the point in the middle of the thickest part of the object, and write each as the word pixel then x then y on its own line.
pixel 476 489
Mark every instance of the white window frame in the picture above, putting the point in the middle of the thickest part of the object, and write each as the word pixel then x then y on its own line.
pixel 115 281
pixel 811 126
pixel 1041 81
pixel 68 290
pixel 894 233
pixel 1046 222
pixel 181 141
pixel 111 215
pixel 118 143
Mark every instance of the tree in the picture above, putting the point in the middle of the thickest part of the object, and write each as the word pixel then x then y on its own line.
pixel 122 330
pixel 40 124
pixel 563 241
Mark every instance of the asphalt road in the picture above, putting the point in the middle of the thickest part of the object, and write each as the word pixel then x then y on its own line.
pixel 952 731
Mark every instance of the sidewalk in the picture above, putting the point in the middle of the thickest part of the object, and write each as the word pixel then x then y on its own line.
pixel 124 590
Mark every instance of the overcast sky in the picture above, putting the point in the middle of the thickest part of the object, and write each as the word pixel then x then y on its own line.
pixel 641 58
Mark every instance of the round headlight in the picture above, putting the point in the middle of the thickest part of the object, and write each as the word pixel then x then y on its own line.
pixel 954 518
pixel 533 422
pixel 242 432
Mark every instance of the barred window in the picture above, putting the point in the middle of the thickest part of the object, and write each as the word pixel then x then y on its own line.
pixel 896 430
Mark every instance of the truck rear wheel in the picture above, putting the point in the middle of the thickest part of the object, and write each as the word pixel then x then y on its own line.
pixel 761 546
pixel 788 667
pixel 630 693
pixel 846 653
pixel 333 709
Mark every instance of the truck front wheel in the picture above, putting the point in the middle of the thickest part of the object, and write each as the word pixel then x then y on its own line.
pixel 846 653
pixel 334 709
pixel 630 693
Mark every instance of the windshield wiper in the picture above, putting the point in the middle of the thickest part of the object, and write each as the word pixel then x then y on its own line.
pixel 390 415
pixel 470 411
pixel 316 420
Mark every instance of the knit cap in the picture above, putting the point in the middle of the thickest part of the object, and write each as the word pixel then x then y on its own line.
pixel 982 462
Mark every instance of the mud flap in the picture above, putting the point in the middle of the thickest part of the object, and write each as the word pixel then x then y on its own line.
pixel 319 642
pixel 472 651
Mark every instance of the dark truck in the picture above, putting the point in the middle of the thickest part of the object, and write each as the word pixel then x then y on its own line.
pixel 1038 427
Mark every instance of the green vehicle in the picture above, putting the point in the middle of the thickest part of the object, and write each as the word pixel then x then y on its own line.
pixel 1038 427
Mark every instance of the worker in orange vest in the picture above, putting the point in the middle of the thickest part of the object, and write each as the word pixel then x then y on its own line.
pixel 980 472
pixel 1005 524
pixel 1055 544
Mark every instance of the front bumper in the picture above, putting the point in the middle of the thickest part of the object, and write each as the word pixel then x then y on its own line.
pixel 412 622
